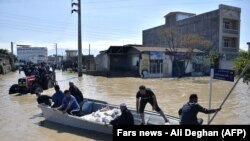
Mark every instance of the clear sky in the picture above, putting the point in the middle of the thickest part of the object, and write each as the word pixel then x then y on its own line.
pixel 104 22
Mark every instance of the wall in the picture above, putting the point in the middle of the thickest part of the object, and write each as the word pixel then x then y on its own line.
pixel 5 66
pixel 227 64
pixel 189 68
pixel 119 62
pixel 25 53
pixel 206 25
pixel 167 66
pixel 133 56
pixel 102 62
pixel 144 63
pixel 152 37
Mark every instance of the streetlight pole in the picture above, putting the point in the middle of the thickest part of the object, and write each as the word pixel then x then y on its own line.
pixel 79 36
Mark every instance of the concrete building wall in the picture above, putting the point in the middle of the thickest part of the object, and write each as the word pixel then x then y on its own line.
pixel 167 66
pixel 102 62
pixel 205 25
pixel 133 56
pixel 227 64
pixel 71 53
pixel 153 37
pixel 5 66
pixel 144 64
pixel 189 68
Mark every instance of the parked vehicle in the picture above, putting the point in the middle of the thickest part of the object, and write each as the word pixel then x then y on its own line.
pixel 32 84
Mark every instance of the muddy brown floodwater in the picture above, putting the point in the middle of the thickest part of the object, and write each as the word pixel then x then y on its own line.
pixel 20 118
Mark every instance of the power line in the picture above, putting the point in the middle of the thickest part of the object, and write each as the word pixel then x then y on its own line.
pixel 156 4
pixel 15 19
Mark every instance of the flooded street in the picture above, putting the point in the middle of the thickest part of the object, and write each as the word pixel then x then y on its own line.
pixel 21 118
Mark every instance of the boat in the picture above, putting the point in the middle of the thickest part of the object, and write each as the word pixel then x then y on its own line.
pixel 151 118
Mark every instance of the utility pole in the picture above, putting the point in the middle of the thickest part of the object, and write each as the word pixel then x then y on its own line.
pixel 79 36
pixel 12 56
pixel 248 43
pixel 56 54
pixel 89 58
pixel 11 43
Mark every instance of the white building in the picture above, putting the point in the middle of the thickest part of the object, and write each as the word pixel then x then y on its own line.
pixel 71 53
pixel 32 54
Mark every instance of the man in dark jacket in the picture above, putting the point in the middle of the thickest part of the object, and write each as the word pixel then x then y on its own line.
pixel 75 92
pixel 43 99
pixel 126 118
pixel 188 113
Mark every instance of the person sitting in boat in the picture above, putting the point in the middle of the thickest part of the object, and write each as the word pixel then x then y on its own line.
pixel 126 118
pixel 57 97
pixel 43 99
pixel 75 92
pixel 188 113
pixel 69 104
pixel 144 96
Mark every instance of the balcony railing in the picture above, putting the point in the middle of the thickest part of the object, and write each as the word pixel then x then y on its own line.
pixel 230 31
pixel 230 49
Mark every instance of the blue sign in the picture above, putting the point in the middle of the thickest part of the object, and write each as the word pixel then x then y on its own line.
pixel 157 55
pixel 222 74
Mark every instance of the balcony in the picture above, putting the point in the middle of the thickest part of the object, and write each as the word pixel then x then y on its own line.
pixel 230 31
pixel 230 26
pixel 230 49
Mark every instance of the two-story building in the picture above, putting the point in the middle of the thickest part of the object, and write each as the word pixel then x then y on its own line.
pixel 221 27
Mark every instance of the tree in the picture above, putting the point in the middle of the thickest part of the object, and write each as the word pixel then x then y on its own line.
pixel 4 51
pixel 241 63
pixel 174 40
pixel 213 58
pixel 191 42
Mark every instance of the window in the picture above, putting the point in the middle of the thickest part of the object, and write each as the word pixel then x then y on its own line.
pixel 226 42
pixel 226 25
pixel 229 42
pixel 233 42
pixel 197 67
pixel 156 66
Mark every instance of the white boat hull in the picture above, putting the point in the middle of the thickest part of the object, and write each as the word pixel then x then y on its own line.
pixel 65 119
pixel 151 118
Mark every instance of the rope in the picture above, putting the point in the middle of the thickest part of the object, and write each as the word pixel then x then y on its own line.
pixel 231 90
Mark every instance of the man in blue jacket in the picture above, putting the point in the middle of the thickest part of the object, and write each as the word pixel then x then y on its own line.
pixel 69 104
pixel 188 113
pixel 57 97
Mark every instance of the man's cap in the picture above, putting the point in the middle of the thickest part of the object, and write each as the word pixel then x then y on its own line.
pixel 123 105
